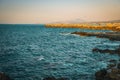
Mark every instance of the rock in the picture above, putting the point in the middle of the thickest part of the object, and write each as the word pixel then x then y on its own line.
pixel 111 65
pixel 49 78
pixel 115 71
pixel 53 78
pixel 112 74
pixel 118 66
pixel 3 76
pixel 100 75
pixel 62 79
pixel 103 51
pixel 81 33
pixel 113 61
pixel 109 35
pixel 116 51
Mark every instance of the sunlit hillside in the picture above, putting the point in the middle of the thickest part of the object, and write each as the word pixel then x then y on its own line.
pixel 97 26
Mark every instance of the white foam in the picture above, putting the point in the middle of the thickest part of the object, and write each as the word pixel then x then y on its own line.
pixel 76 35
pixel 65 33
pixel 40 58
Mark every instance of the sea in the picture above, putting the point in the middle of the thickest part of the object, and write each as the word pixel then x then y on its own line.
pixel 34 52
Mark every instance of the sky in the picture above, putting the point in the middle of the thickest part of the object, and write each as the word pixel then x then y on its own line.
pixel 48 11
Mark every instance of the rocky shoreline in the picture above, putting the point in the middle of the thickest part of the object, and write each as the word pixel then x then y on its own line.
pixel 3 76
pixel 116 51
pixel 114 36
pixel 112 72
pixel 110 35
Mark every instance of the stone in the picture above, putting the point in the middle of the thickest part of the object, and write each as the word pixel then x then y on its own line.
pixel 53 78
pixel 49 78
pixel 62 79
pixel 111 65
pixel 100 75
pixel 116 51
pixel 103 51
pixel 3 76
pixel 103 74
pixel 118 66
pixel 113 61
pixel 115 71
pixel 110 35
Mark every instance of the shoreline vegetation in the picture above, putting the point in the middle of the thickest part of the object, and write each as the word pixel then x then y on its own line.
pixel 112 71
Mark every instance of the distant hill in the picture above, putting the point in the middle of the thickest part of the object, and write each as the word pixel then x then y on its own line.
pixel 83 21
pixel 70 21
pixel 115 21
pixel 112 21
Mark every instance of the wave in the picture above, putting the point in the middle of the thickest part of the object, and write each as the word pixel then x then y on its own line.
pixel 40 58
pixel 65 34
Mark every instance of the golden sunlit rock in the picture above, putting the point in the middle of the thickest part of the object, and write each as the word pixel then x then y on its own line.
pixel 96 26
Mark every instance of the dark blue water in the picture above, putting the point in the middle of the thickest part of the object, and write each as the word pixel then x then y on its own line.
pixel 32 52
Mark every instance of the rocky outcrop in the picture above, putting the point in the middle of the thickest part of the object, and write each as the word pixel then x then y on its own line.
pixel 113 70
pixel 100 75
pixel 116 51
pixel 112 73
pixel 49 78
pixel 53 78
pixel 109 35
pixel 3 76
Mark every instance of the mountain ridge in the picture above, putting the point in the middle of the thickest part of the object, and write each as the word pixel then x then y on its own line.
pixel 83 21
